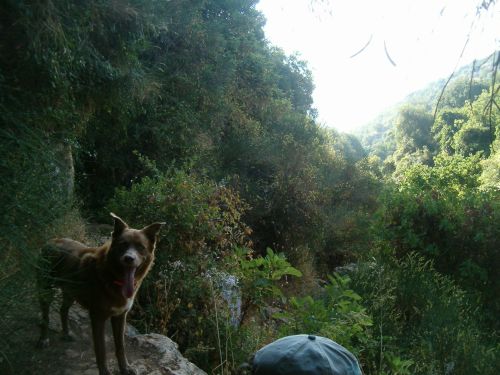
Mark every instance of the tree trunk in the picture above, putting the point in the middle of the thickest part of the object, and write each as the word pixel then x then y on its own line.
pixel 65 169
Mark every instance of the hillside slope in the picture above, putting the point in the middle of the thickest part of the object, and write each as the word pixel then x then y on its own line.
pixel 377 136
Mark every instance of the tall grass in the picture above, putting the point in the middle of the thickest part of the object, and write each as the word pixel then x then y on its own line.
pixel 424 320
pixel 36 203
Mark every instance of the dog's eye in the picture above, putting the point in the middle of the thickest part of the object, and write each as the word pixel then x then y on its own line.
pixel 140 247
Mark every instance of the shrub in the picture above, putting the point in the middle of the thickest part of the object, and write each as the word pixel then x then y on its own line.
pixel 336 313
pixel 204 245
pixel 442 214
pixel 424 317
pixel 203 225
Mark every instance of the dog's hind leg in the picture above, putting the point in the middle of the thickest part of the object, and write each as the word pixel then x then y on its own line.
pixel 46 295
pixel 66 304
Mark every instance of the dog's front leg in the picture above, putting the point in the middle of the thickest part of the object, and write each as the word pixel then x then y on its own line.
pixel 118 324
pixel 97 322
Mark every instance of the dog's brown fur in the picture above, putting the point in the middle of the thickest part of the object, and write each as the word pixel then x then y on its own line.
pixel 104 280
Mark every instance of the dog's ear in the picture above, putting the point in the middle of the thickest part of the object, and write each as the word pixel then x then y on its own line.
pixel 120 225
pixel 152 230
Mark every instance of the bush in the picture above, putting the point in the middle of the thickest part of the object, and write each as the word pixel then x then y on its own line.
pixel 203 225
pixel 442 214
pixel 336 313
pixel 424 317
pixel 206 278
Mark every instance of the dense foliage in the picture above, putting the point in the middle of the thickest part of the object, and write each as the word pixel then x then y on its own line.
pixel 184 113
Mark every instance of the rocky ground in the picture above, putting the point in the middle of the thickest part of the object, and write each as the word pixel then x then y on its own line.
pixel 150 354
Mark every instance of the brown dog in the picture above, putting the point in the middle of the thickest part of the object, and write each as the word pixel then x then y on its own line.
pixel 104 280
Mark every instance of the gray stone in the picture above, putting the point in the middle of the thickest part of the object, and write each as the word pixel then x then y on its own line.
pixel 163 354
pixel 71 353
pixel 131 331
pixel 150 354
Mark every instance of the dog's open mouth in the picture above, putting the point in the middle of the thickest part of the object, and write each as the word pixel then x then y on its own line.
pixel 128 285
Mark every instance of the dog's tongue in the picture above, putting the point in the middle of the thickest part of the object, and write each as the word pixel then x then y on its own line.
pixel 128 283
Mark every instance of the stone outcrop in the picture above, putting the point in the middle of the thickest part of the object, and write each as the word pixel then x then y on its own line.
pixel 148 354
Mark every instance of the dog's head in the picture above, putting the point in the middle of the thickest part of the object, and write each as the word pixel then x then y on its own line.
pixel 131 252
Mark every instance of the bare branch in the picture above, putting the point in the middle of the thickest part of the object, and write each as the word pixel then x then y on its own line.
pixel 456 66
pixel 496 61
pixel 387 54
pixel 470 83
pixel 364 47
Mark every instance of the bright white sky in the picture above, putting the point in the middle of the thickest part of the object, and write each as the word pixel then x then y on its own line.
pixel 424 38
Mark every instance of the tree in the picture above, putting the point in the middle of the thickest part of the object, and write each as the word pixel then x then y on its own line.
pixel 413 133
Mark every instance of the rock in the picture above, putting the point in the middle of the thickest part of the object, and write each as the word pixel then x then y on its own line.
pixel 72 353
pixel 347 268
pixel 148 354
pixel 164 353
pixel 131 331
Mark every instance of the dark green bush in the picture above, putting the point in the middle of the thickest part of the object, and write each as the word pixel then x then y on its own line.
pixel 424 317
pixel 442 214
pixel 336 312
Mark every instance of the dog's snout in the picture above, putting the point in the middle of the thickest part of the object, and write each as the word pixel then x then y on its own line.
pixel 129 259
